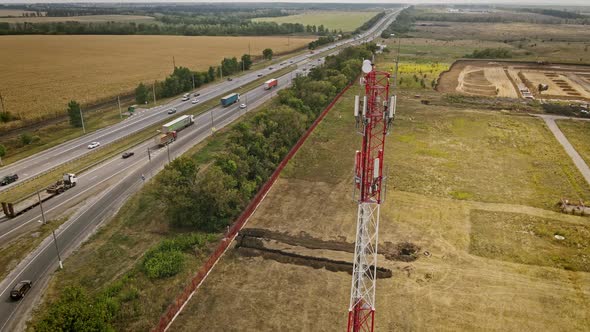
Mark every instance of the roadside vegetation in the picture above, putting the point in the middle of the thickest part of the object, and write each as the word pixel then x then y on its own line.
pixel 199 193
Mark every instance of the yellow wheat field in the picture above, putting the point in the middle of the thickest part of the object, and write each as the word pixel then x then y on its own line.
pixel 40 74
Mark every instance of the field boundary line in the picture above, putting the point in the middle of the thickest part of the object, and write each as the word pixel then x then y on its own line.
pixel 182 299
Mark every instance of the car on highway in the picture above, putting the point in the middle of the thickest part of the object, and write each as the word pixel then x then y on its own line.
pixel 270 68
pixel 93 145
pixel 230 79
pixel 20 289
pixel 195 101
pixel 196 94
pixel 242 106
pixel 259 75
pixel 128 154
pixel 172 111
pixel 8 179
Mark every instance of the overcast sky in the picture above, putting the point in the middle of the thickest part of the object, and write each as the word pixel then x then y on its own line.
pixel 529 2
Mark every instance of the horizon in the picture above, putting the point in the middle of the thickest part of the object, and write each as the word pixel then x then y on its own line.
pixel 453 2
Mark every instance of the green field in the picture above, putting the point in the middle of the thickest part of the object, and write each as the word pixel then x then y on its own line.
pixel 333 20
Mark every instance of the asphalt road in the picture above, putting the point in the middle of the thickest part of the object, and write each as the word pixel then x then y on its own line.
pixel 119 178
pixel 43 161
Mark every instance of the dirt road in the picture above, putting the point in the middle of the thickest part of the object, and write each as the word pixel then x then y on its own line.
pixel 569 149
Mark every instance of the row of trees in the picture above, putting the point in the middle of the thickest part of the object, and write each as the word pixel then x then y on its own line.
pixel 209 199
pixel 490 53
pixel 131 28
pixel 183 79
pixel 369 24
pixel 321 41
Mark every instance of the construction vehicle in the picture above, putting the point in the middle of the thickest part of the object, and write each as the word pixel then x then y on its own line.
pixel 270 84
pixel 69 181
pixel 230 99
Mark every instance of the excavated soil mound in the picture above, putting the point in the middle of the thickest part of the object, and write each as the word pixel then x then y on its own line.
pixel 404 251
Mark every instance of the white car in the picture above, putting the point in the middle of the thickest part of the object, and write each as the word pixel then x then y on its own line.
pixel 195 101
pixel 242 106
pixel 93 145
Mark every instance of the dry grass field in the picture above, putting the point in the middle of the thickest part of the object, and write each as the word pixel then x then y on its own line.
pixel 339 20
pixel 42 73
pixel 474 188
pixel 82 19
pixel 14 12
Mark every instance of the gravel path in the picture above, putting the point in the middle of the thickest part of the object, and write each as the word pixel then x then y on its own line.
pixel 569 149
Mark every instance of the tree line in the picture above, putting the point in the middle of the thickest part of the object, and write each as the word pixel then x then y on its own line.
pixel 210 198
pixel 132 28
pixel 183 79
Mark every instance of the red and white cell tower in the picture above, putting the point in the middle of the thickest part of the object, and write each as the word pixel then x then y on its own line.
pixel 374 115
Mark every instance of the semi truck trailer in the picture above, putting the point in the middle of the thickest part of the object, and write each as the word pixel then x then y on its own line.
pixel 230 99
pixel 178 124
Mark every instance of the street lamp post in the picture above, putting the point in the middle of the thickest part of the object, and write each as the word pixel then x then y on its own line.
pixel 61 266
pixel 168 149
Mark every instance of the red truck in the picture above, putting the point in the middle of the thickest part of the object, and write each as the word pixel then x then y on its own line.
pixel 270 83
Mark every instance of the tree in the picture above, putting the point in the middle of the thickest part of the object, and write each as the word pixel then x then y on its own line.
pixel 267 54
pixel 141 94
pixel 246 61
pixel 2 153
pixel 74 113
pixel 211 74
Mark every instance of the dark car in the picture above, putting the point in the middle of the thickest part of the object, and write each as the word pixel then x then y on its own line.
pixel 259 75
pixel 127 154
pixel 19 291
pixel 172 111
pixel 8 179
pixel 197 94
pixel 230 79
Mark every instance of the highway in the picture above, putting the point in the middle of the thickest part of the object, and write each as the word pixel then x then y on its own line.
pixel 48 159
pixel 106 187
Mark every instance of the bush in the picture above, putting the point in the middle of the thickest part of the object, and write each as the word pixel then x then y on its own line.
pixel 162 264
pixel 25 138
pixel 490 53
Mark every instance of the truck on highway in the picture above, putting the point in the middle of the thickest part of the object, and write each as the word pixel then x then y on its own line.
pixel 167 138
pixel 178 124
pixel 230 99
pixel 169 131
pixel 68 181
pixel 270 83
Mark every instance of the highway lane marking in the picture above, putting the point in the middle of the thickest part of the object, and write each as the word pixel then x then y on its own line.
pixel 68 200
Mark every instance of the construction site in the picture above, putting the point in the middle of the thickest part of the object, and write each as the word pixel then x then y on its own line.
pixel 529 80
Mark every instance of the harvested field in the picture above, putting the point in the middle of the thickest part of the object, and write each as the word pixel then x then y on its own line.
pixel 82 19
pixel 15 12
pixel 445 166
pixel 56 69
pixel 502 78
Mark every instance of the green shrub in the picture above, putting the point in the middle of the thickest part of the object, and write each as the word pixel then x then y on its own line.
pixel 490 53
pixel 162 264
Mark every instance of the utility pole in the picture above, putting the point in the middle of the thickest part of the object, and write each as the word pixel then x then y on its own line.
pixel 249 50
pixel 2 103
pixel 119 102
pixel 61 266
pixel 154 90
pixel 193 81
pixel 168 149
pixel 82 118
pixel 212 127
pixel 149 155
